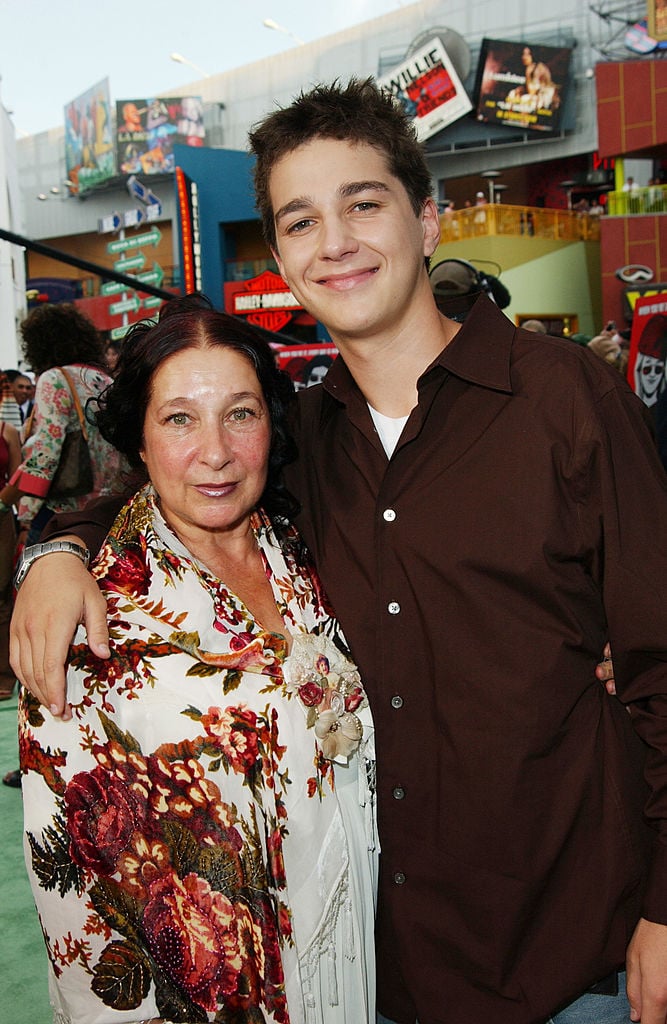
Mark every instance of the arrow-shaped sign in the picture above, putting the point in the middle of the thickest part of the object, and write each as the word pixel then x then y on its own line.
pixel 112 288
pixel 154 276
pixel 110 223
pixel 151 237
pixel 141 192
pixel 133 218
pixel 130 305
pixel 152 302
pixel 136 262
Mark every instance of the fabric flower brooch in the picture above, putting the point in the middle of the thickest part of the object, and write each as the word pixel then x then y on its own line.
pixel 329 687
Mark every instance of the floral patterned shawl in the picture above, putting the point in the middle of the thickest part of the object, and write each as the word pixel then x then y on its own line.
pixel 183 834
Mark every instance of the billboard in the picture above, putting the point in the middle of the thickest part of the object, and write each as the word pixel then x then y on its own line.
pixel 305 364
pixel 657 19
pixel 521 85
pixel 148 129
pixel 648 348
pixel 429 88
pixel 89 151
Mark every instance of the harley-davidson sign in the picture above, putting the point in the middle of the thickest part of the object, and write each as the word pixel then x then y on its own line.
pixel 264 300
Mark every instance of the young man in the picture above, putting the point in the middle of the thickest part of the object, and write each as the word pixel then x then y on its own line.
pixel 473 498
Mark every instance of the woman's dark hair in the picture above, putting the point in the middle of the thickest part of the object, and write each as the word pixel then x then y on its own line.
pixel 58 334
pixel 191 322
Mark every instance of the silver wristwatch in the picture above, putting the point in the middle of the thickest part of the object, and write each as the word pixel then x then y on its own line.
pixel 36 551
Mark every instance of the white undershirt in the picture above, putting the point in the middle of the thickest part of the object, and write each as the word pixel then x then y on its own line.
pixel 389 429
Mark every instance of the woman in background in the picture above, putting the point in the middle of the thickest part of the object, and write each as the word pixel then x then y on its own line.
pixel 10 457
pixel 57 337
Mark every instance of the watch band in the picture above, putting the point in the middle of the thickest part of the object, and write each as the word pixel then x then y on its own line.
pixel 36 551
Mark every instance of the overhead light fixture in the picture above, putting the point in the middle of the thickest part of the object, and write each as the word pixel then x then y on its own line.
pixel 275 27
pixel 180 59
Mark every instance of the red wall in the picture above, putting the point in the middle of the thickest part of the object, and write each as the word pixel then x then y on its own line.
pixel 627 240
pixel 632 106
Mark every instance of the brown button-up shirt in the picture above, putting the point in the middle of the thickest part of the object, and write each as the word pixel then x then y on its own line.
pixel 520 523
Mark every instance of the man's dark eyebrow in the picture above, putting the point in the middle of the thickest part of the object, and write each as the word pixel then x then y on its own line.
pixel 352 188
pixel 294 206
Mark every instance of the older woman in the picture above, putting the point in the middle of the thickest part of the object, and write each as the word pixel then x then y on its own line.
pixel 200 835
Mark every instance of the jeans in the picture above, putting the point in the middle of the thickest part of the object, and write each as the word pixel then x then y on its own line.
pixel 588 1009
pixel 591 1009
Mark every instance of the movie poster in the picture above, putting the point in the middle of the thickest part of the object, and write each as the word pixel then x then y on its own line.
pixel 306 364
pixel 648 348
pixel 89 152
pixel 148 129
pixel 521 85
pixel 429 88
pixel 657 19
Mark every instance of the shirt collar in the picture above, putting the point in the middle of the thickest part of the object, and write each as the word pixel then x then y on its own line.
pixel 480 353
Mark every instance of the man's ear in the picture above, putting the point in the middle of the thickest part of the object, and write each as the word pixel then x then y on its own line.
pixel 431 225
pixel 281 269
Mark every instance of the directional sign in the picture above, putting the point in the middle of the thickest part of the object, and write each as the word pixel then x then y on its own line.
pixel 141 192
pixel 154 276
pixel 151 237
pixel 112 288
pixel 130 305
pixel 154 211
pixel 110 223
pixel 133 218
pixel 135 262
pixel 152 302
pixel 117 333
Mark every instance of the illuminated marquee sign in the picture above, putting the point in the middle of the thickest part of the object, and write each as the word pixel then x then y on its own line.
pixel 190 236
pixel 264 300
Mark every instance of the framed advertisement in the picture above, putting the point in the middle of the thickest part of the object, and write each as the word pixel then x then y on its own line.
pixel 521 85
pixel 429 88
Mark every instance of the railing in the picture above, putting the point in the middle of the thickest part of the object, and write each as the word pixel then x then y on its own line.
pixel 529 221
pixel 638 200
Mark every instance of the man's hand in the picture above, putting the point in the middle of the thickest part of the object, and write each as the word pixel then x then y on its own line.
pixel 58 593
pixel 646 965
pixel 605 671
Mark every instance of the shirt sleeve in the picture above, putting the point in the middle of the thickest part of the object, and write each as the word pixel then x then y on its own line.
pixel 91 523
pixel 632 500
pixel 53 409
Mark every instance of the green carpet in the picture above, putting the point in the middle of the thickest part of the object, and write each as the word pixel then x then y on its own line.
pixel 25 996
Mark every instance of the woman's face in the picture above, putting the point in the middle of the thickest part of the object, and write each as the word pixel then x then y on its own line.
pixel 649 374
pixel 207 434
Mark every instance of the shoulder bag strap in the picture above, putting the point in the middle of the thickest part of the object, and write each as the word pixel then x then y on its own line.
pixel 77 402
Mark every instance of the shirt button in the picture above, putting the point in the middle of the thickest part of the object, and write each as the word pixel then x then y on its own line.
pixel 397 702
pixel 399 878
pixel 389 515
pixel 399 792
pixel 393 607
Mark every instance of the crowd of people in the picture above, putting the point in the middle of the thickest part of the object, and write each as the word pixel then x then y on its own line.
pixel 65 352
pixel 201 794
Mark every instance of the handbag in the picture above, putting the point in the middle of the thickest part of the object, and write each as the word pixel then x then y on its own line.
pixel 74 475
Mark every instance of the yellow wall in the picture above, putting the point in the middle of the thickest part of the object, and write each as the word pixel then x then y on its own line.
pixel 543 275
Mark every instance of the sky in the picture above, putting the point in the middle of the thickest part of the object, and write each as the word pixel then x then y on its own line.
pixel 51 51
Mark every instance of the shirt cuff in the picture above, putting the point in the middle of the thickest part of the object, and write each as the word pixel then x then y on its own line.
pixel 28 484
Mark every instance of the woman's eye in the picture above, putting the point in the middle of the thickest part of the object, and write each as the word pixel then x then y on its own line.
pixel 241 415
pixel 179 419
